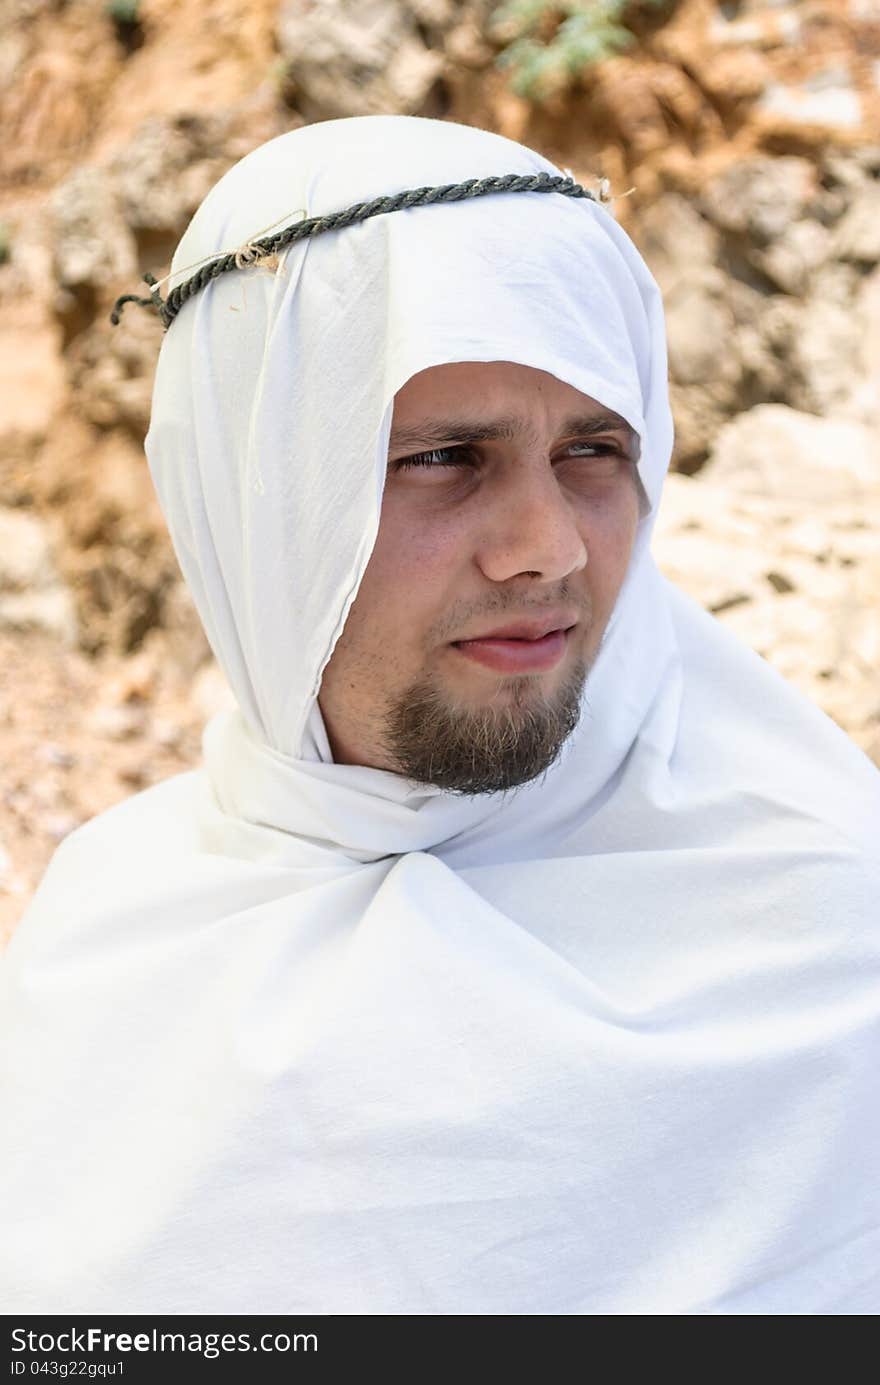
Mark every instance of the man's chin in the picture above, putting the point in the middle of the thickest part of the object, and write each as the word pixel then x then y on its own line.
pixel 478 745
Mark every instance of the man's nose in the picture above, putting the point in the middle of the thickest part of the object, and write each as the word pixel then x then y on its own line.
pixel 529 526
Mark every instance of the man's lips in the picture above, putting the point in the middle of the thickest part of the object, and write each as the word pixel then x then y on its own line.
pixel 516 654
pixel 526 628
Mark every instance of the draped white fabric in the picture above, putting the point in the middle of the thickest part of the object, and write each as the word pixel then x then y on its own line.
pixel 285 1035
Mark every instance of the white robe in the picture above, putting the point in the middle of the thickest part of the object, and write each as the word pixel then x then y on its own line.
pixel 281 1035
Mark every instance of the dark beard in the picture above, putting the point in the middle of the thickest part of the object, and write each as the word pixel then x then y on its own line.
pixel 487 750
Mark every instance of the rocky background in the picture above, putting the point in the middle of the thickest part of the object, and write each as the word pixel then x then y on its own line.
pixel 741 142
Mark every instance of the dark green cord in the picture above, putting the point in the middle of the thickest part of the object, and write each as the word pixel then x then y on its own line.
pixel 169 307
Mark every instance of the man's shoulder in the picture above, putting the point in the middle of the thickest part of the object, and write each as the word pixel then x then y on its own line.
pixel 163 811
pixel 749 728
pixel 131 841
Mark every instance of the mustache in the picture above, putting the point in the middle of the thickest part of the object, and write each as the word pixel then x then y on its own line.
pixel 464 617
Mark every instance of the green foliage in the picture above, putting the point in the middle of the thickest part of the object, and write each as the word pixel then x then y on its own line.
pixel 553 40
pixel 124 13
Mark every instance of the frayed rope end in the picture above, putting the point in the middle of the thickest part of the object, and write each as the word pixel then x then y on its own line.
pixel 156 302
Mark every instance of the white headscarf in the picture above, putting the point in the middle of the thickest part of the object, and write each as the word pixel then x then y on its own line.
pixel 283 1035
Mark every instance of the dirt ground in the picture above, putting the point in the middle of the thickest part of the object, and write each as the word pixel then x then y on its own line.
pixel 76 736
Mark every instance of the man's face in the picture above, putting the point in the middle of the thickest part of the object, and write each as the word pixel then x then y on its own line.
pixel 510 497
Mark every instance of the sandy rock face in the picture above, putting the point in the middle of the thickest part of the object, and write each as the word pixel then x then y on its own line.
pixel 777 537
pixel 371 60
pixel 770 284
pixel 762 198
pixel 93 243
pixel 778 454
pixel 168 166
pixel 32 597
pixel 32 376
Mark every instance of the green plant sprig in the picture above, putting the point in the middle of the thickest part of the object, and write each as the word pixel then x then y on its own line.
pixel 581 33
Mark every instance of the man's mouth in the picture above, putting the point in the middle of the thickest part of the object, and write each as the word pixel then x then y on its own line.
pixel 516 654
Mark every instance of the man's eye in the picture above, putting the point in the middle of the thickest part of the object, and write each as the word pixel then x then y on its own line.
pixel 606 458
pixel 449 457
pixel 438 456
pixel 602 449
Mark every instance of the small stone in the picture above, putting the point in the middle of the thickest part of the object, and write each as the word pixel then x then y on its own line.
pixel 791 259
pixel 729 602
pixel 833 107
pixel 760 197
pixel 25 552
pixel 59 825
pixel 857 235
pixel 136 776
pixel 136 681
pixel 57 755
pixel 118 723
pixel 93 246
pixel 51 609
pixel 779 582
pixel 167 733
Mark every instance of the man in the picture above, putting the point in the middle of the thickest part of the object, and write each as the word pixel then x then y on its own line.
pixel 514 950
pixel 463 659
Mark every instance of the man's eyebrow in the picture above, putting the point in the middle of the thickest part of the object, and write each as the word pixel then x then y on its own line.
pixel 432 431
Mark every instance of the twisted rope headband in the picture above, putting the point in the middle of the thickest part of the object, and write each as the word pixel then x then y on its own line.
pixel 260 249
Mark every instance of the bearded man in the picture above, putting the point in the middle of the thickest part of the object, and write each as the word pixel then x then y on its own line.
pixel 514 949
